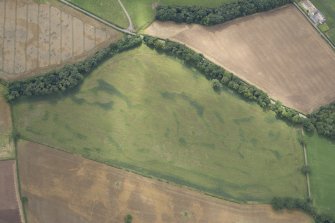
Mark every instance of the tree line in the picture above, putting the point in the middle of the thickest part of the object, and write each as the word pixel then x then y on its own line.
pixel 323 120
pixel 70 75
pixel 279 203
pixel 212 16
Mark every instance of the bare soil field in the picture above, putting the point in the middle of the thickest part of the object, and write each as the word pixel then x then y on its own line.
pixel 6 142
pixel 61 187
pixel 278 51
pixel 36 37
pixel 9 206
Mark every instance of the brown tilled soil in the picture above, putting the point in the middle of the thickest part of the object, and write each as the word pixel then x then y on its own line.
pixel 278 51
pixel 38 37
pixel 66 188
pixel 9 208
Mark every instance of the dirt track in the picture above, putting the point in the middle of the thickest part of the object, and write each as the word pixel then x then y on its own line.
pixel 9 208
pixel 65 188
pixel 36 37
pixel 278 51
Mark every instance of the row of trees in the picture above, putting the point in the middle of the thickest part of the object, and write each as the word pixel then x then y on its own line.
pixel 70 75
pixel 221 77
pixel 302 205
pixel 324 120
pixel 212 16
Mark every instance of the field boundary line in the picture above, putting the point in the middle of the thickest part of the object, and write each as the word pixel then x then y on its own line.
pixel 146 175
pixel 96 17
pixel 306 164
pixel 315 27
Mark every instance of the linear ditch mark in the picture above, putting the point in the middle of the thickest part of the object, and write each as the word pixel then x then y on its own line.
pixel 306 164
pixel 15 37
pixel 38 36
pixel 26 40
pixel 3 35
pixel 72 48
pixel 49 24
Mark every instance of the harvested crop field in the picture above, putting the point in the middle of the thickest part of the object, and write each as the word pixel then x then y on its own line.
pixel 278 51
pixel 34 37
pixel 9 206
pixel 61 187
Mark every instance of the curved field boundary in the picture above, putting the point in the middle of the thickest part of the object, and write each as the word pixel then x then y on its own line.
pixel 267 50
pixel 97 18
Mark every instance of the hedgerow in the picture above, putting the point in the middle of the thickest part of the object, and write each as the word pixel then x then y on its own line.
pixel 221 14
pixel 70 75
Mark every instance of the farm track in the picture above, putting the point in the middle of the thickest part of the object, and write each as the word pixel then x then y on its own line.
pixel 131 25
pixel 86 191
pixel 38 37
pixel 292 63
pixel 127 31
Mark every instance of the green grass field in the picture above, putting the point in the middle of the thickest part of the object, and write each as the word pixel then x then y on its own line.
pixel 327 7
pixel 149 113
pixel 107 9
pixel 142 11
pixel 321 154
pixel 6 149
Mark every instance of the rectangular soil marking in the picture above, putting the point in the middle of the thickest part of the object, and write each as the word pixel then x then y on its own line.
pixel 100 36
pixel 32 37
pixel 9 47
pixel 78 36
pixel 44 16
pixel 55 36
pixel 66 36
pixel 2 26
pixel 89 37
pixel 21 36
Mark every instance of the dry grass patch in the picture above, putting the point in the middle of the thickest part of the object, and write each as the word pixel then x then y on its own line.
pixel 278 51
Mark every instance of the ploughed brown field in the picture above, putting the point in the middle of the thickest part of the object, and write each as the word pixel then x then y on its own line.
pixel 278 51
pixel 35 37
pixel 62 187
pixel 9 206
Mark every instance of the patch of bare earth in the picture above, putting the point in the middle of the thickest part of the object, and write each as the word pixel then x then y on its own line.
pixel 61 187
pixel 278 51
pixel 9 206
pixel 35 37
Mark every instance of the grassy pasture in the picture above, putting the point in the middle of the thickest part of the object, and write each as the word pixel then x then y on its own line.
pixel 327 7
pixel 110 10
pixel 321 153
pixel 142 11
pixel 149 113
